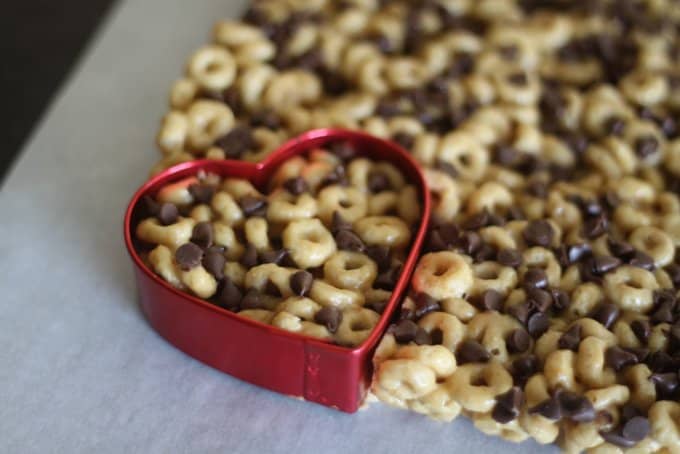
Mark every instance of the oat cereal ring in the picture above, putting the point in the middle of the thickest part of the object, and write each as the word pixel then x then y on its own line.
pixel 490 195
pixel 224 235
pixel 475 386
pixel 350 270
pixel 664 418
pixel 491 329
pixel 301 307
pixel 438 404
pixel 328 295
pixel 161 261
pixel 631 288
pixel 231 34
pixel 655 243
pixel 315 172
pixel 284 207
pixel 291 88
pixel 540 428
pixel 356 325
pixel 177 192
pixel 644 87
pixel 461 309
pixel 452 329
pixel 445 195
pixel 511 431
pixel 199 281
pixel 172 236
pixel 260 276
pixel 256 232
pixel 227 209
pixel 443 275
pixel 295 324
pixel 542 258
pixel 308 242
pixel 208 121
pixel 213 68
pixel 559 369
pixel 252 83
pixel 590 366
pixel 382 203
pixel 349 202
pixel 493 276
pixel 183 93
pixel 436 357
pixel 388 231
pixel 173 133
pixel 399 380
pixel 201 213
pixel 235 272
pixel 239 188
pixel 465 154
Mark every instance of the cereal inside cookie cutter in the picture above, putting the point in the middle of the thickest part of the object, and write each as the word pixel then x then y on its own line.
pixel 262 354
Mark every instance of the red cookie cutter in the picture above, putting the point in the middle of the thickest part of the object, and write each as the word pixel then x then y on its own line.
pixel 262 354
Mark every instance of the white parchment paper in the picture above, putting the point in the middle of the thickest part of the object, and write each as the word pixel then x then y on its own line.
pixel 80 369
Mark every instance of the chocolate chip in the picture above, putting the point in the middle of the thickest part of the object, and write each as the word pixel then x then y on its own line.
pixel 301 282
pixel 437 336
pixel 213 262
pixel 615 437
pixel 237 141
pixel 509 257
pixel 275 256
pixel 621 249
pixel 520 312
pixel 664 313
pixel 330 317
pixel 514 214
pixel 471 351
pixel 614 126
pixel 518 341
pixel 202 235
pixel 646 146
pixel 167 213
pixel 535 278
pixel 660 362
pixel 641 329
pixel 252 205
pixel 377 306
pixel 571 339
pixel 519 78
pixel 539 299
pixel 388 279
pixel 595 226
pixel 447 168
pixel 425 304
pixel 202 193
pixel 343 150
pixel 339 223
pixel 149 206
pixel 381 255
pixel 508 405
pixel 575 407
pixel 561 300
pixel 673 271
pixel 538 233
pixel 477 221
pixel 506 155
pixel 349 241
pixel 604 263
pixel 524 367
pixel 422 337
pixel 296 186
pixel 618 358
pixel 636 428
pixel 249 257
pixel 253 299
pixel 469 242
pixel 490 300
pixel 641 353
pixel 549 408
pixel 377 181
pixel 404 139
pixel 537 324
pixel 229 296
pixel 405 331
pixel 606 314
pixel 272 289
pixel 642 260
pixel 266 118
pixel 538 189
pixel 188 256
pixel 666 384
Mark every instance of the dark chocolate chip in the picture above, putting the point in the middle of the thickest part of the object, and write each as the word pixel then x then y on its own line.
pixel 168 213
pixel 520 312
pixel 616 438
pixel 641 353
pixel 330 317
pixel 673 271
pixel 275 256
pixel 646 146
pixel 471 351
pixel 595 226
pixel 377 306
pixel 660 362
pixel 266 118
pixel 377 181
pixel 518 341
pixel 666 384
pixel 249 257
pixel 664 313
pixel 604 263
pixel 405 331
pixel 518 78
pixel 388 279
pixel 524 367
pixel 422 337
pixel 539 299
pixel 272 289
pixel 188 256
pixel 642 260
pixel 575 407
pixel 213 262
pixel 237 141
pixel 614 126
pixel 381 255
pixel 538 233
pixel 549 408
pixel 296 186
pixel 229 296
pixel 202 193
pixel 618 358
pixel 149 206
pixel 535 278
pixel 576 252
pixel 252 205
pixel 538 189
pixel 338 223
pixel 447 168
pixel 425 304
pixel 636 428
pixel 477 221
pixel 606 314
pixel 349 241
pixel 561 300
pixel 202 235
pixel 508 405
pixel 571 339
pixel 253 299
pixel 621 249
pixel 343 149
pixel 490 300
pixel 404 139
pixel 642 329
pixel 301 282
pixel 537 324
pixel 509 257
pixel 506 155
pixel 469 242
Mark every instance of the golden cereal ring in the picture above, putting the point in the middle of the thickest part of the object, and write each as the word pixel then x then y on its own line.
pixel 387 231
pixel 542 429
pixel 199 281
pixel 453 330
pixel 664 417
pixel 491 329
pixel 284 207
pixel 259 315
pixel 493 276
pixel 631 288
pixel 350 270
pixel 295 324
pixel 559 370
pixel 171 236
pixel 260 276
pixel 465 154
pixel 308 242
pixel 208 121
pixel 491 196
pixel 472 396
pixel 231 33
pixel 328 295
pixel 224 235
pixel 445 195
pixel 183 93
pixel 655 243
pixel 173 133
pixel 227 209
pixel 590 366
pixel 291 88
pixel 213 68
pixel 162 262
pixel 348 201
pixel 399 380
pixel 356 325
pixel 177 192
pixel 443 275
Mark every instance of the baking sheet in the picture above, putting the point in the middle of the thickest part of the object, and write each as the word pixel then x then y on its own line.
pixel 80 369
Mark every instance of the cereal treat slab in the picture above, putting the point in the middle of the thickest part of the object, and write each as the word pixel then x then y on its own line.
pixel 545 304
pixel 318 254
